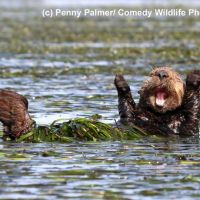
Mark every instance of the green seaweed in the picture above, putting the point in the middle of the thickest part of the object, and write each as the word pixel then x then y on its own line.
pixel 74 37
pixel 81 129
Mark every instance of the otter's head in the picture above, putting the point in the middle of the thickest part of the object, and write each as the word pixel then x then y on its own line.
pixel 14 114
pixel 163 91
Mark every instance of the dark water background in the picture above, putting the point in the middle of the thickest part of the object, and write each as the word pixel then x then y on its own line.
pixel 65 67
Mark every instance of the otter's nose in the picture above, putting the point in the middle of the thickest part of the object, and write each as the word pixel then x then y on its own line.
pixel 162 74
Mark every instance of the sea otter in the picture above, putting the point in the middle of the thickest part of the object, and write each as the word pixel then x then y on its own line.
pixel 167 105
pixel 14 114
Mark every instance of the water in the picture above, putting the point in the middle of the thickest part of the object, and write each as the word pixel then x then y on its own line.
pixel 66 67
pixel 117 170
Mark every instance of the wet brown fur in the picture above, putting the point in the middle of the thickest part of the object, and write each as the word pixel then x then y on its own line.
pixel 180 112
pixel 172 84
pixel 14 114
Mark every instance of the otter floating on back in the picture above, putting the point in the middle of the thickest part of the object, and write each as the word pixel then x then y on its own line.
pixel 167 105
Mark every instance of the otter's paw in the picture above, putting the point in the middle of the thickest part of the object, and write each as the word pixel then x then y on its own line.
pixel 120 82
pixel 193 78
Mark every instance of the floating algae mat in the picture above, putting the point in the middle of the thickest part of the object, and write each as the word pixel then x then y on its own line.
pixel 80 129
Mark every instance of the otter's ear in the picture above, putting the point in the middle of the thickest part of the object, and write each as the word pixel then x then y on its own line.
pixel 193 79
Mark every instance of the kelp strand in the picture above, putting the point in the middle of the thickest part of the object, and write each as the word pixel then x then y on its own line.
pixel 81 129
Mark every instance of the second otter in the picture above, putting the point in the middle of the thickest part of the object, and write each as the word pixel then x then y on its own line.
pixel 167 105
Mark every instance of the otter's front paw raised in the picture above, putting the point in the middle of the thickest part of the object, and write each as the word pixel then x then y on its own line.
pixel 193 78
pixel 121 84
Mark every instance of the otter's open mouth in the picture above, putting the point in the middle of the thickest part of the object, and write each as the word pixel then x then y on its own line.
pixel 161 96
